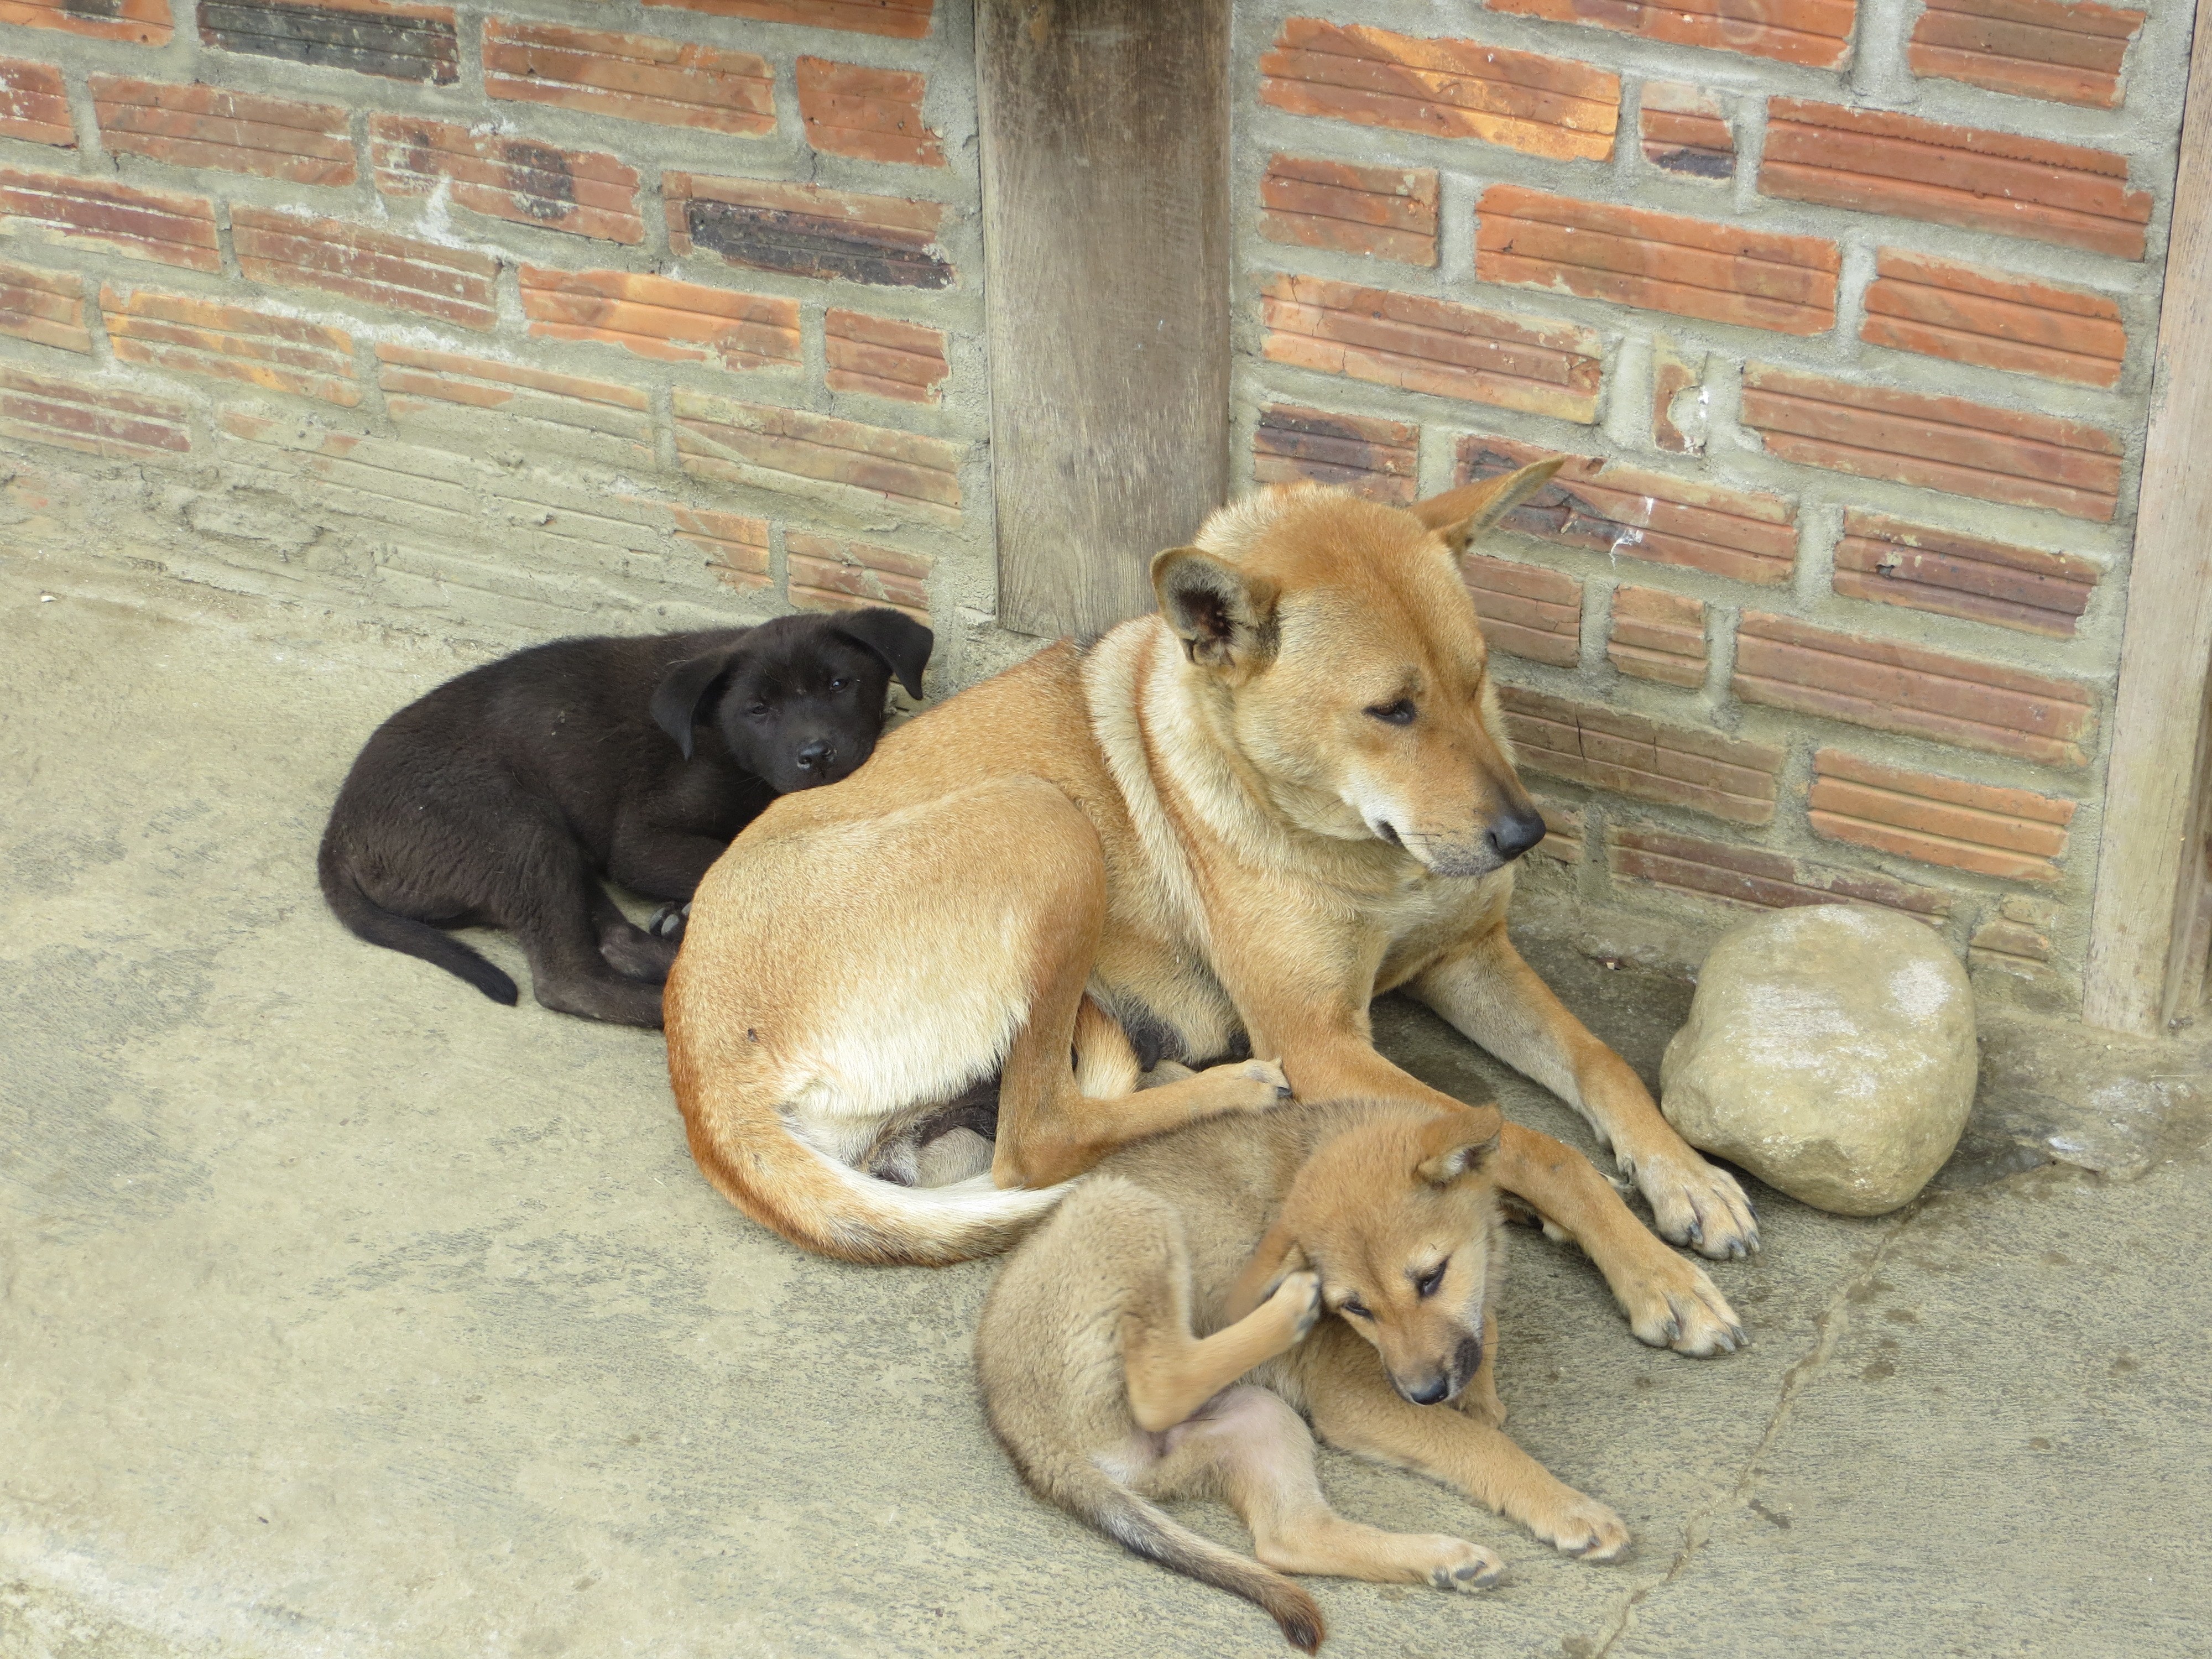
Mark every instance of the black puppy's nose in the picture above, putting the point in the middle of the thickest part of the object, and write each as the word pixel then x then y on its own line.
pixel 1430 1392
pixel 1517 831
pixel 816 757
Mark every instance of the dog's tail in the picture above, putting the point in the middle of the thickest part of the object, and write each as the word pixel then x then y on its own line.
pixel 370 920
pixel 1088 1491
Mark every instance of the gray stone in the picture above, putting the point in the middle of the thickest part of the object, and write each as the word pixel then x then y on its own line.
pixel 1830 1051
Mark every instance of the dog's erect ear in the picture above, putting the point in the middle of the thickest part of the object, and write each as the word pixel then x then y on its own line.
pixel 1279 1256
pixel 1460 515
pixel 1224 617
pixel 1457 1144
pixel 683 691
pixel 896 637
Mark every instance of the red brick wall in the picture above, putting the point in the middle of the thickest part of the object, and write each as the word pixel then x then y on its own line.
pixel 1847 317
pixel 511 319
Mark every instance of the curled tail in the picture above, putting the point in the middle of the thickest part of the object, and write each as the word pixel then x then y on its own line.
pixel 370 920
pixel 1086 1490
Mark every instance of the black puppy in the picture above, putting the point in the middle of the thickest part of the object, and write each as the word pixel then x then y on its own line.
pixel 503 797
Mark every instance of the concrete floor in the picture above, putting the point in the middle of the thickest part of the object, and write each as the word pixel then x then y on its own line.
pixel 345 1312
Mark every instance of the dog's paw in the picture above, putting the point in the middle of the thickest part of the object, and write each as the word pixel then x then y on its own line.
pixel 1453 1564
pixel 1251 1086
pixel 1583 1527
pixel 1694 1204
pixel 1671 1304
pixel 1480 1401
pixel 668 921
pixel 1297 1300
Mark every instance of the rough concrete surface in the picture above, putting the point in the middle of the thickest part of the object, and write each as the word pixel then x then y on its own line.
pixel 343 1312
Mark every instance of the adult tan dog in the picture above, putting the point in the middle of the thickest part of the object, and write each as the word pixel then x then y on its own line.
pixel 1243 817
pixel 1378 1219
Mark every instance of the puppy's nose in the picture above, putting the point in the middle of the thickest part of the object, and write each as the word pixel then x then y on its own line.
pixel 1429 1392
pixel 816 757
pixel 1515 833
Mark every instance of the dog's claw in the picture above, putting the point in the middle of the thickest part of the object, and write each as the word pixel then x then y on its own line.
pixel 668 921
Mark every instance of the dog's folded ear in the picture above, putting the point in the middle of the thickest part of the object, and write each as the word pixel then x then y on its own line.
pixel 1458 516
pixel 1277 1257
pixel 1224 617
pixel 1456 1144
pixel 685 689
pixel 896 637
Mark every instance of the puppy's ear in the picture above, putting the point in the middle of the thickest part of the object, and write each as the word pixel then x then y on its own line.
pixel 684 690
pixel 1224 617
pixel 896 637
pixel 1457 1144
pixel 1279 1256
pixel 1460 515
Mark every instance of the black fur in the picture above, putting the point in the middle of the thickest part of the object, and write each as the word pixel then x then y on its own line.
pixel 502 798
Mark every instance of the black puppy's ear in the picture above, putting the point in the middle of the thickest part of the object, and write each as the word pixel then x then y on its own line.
pixel 1224 617
pixel 683 690
pixel 896 637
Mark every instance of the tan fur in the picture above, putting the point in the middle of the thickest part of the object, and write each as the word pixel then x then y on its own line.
pixel 1200 830
pixel 1111 1348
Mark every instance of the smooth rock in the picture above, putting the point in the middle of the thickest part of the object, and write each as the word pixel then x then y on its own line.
pixel 1830 1051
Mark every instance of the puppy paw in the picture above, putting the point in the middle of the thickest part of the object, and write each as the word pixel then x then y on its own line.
pixel 1453 1564
pixel 1297 1302
pixel 1671 1304
pixel 1694 1204
pixel 1583 1527
pixel 667 922
pixel 1481 1403
pixel 1259 1084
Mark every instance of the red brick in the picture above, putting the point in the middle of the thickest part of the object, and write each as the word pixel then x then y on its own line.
pixel 1752 876
pixel 1893 687
pixel 806 230
pixel 1389 213
pixel 1892 563
pixel 823 573
pixel 35 104
pixel 393 39
pixel 1940 443
pixel 2020 943
pixel 2036 48
pixel 77 414
pixel 140 22
pixel 2015 834
pixel 1563 831
pixel 736 547
pixel 188 336
pixel 654 317
pixel 1880 162
pixel 1672 374
pixel 1375 458
pixel 904 20
pixel 1685 131
pixel 633 77
pixel 761 444
pixel 452 285
pixel 111 217
pixel 1616 510
pixel 584 192
pixel 1815 32
pixel 1657 635
pixel 201 126
pixel 1419 345
pixel 1971 315
pixel 44 306
pixel 870 114
pixel 415 381
pixel 886 358
pixel 1526 610
pixel 1672 765
pixel 1657 261
pixel 1547 106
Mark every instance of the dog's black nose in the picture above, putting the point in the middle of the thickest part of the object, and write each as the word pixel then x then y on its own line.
pixel 1429 1392
pixel 816 757
pixel 1517 831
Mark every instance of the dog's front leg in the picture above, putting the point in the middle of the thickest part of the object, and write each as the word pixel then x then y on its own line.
pixel 1496 999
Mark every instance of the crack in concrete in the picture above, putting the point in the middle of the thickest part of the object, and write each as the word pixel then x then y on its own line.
pixel 1829 1326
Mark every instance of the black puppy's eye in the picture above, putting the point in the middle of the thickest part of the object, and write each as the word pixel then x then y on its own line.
pixel 1400 713
pixel 1429 1283
pixel 839 685
pixel 756 710
pixel 1356 1307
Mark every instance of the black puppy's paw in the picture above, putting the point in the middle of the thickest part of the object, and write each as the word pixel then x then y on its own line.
pixel 667 922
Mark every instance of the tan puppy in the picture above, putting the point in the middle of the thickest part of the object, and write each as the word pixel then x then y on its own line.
pixel 1110 1343
pixel 1239 819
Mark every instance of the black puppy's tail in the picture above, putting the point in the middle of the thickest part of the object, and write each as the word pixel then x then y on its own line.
pixel 370 920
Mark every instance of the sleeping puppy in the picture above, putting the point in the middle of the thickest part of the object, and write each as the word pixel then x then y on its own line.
pixel 502 798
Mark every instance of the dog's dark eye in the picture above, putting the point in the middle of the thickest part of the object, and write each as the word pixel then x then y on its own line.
pixel 1356 1307
pixel 1429 1282
pixel 1400 713
pixel 756 710
pixel 839 685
